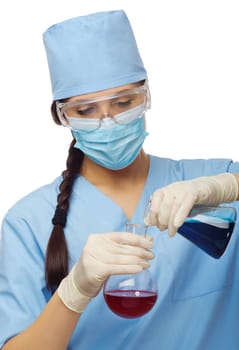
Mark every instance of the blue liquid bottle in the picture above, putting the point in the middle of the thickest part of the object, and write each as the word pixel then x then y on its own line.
pixel 209 228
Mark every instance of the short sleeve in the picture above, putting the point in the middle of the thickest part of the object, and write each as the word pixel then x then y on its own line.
pixel 23 294
pixel 234 167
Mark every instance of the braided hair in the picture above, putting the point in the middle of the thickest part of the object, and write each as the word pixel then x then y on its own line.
pixel 57 255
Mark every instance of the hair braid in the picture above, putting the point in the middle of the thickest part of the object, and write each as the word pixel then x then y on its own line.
pixel 57 255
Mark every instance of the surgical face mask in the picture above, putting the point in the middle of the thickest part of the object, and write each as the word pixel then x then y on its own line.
pixel 117 142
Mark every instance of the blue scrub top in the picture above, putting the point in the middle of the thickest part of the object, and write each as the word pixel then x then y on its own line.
pixel 198 296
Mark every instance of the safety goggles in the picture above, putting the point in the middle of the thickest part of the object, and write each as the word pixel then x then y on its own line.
pixel 94 112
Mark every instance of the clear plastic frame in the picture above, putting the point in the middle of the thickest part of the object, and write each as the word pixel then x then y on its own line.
pixel 93 111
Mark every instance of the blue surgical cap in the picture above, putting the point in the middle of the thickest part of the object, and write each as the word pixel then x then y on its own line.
pixel 91 53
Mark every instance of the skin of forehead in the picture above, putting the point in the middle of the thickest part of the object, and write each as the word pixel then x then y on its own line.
pixel 104 92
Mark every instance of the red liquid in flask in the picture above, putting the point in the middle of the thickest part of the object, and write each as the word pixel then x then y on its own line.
pixel 130 303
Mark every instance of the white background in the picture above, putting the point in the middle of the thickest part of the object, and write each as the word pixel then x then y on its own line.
pixel 191 52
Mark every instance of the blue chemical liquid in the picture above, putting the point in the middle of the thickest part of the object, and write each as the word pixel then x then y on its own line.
pixel 210 238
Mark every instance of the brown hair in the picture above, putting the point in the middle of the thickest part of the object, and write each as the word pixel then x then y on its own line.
pixel 57 255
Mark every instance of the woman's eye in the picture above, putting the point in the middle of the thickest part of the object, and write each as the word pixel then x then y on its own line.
pixel 84 111
pixel 124 103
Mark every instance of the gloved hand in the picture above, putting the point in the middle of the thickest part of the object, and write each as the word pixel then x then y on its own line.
pixel 171 204
pixel 103 255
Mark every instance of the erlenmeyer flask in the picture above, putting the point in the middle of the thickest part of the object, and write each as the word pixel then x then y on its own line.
pixel 210 228
pixel 134 295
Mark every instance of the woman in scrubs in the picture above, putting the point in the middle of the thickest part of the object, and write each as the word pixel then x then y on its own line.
pixel 61 242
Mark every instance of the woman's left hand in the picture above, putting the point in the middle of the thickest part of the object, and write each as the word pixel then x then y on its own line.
pixel 171 205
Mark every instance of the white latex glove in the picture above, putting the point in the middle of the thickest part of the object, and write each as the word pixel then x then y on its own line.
pixel 103 255
pixel 171 204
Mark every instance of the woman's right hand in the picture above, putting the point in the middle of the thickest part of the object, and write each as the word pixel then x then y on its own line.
pixel 104 255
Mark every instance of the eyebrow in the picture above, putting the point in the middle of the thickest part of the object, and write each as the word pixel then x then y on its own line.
pixel 81 99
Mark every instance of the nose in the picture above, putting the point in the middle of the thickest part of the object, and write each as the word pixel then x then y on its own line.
pixel 105 110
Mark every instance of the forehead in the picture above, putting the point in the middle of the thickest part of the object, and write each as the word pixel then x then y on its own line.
pixel 104 92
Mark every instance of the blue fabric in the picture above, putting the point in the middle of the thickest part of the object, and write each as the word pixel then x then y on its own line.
pixel 198 303
pixel 92 53
pixel 114 147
